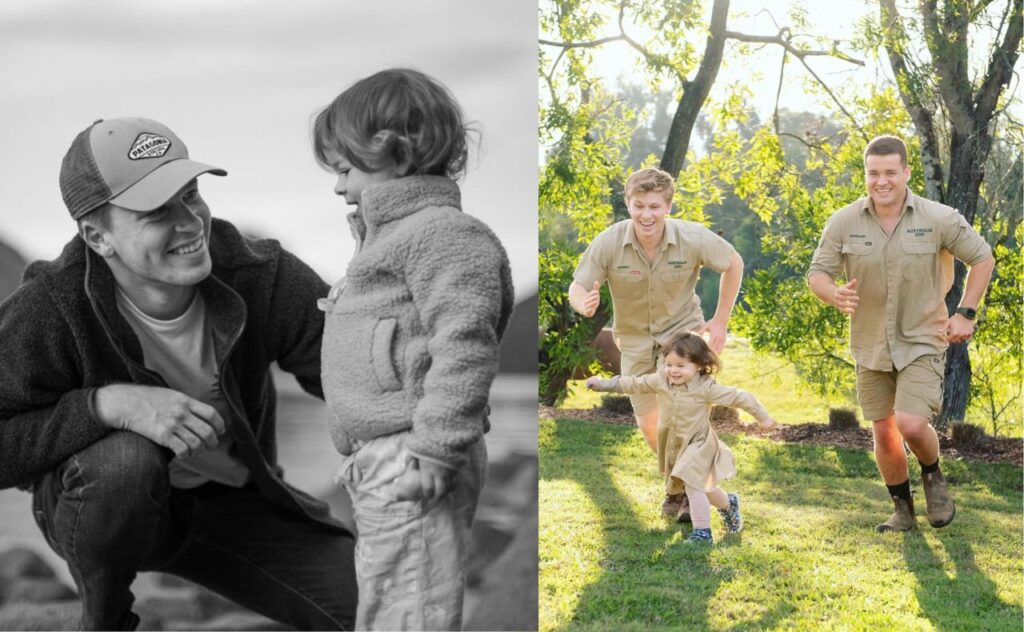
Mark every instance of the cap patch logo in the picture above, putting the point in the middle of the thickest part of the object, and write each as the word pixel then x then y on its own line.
pixel 148 146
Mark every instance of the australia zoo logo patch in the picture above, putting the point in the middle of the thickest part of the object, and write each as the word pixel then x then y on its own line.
pixel 148 146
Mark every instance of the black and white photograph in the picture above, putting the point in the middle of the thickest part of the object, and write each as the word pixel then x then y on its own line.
pixel 268 314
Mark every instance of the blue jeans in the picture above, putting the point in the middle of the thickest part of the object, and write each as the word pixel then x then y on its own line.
pixel 110 512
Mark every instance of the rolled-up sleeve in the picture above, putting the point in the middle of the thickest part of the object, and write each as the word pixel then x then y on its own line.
pixel 962 241
pixel 828 256
pixel 593 265
pixel 715 252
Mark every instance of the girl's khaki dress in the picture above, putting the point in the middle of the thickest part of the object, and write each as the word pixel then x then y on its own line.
pixel 689 451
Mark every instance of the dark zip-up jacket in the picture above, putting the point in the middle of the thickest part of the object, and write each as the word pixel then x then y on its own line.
pixel 62 337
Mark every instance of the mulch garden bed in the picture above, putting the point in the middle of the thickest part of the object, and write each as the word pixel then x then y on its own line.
pixel 986 449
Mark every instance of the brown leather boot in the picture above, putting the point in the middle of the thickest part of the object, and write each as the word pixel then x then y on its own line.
pixel 903 519
pixel 683 515
pixel 670 506
pixel 941 508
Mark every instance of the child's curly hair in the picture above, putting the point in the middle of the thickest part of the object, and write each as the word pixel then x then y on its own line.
pixel 693 348
pixel 396 116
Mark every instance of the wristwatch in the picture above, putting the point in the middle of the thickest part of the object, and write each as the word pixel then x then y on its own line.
pixel 967 312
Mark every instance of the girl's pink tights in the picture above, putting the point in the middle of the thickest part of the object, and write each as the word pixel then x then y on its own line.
pixel 700 505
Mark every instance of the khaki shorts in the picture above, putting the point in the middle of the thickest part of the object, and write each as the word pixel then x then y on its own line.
pixel 642 363
pixel 916 390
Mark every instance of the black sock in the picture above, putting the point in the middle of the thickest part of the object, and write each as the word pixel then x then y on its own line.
pixel 928 469
pixel 901 491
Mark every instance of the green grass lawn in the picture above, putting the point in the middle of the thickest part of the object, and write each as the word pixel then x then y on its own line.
pixel 776 385
pixel 807 559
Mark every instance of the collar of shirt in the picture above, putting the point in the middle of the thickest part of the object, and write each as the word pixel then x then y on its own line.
pixel 908 204
pixel 668 237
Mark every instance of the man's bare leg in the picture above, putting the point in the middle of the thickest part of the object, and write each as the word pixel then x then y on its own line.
pixel 924 443
pixel 891 457
pixel 648 424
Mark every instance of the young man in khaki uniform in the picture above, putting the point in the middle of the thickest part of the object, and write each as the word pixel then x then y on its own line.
pixel 895 248
pixel 652 265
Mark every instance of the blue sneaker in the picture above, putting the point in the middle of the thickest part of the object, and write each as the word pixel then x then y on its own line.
pixel 731 516
pixel 700 535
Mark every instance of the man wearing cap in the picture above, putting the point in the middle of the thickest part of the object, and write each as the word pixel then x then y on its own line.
pixel 652 265
pixel 895 250
pixel 137 401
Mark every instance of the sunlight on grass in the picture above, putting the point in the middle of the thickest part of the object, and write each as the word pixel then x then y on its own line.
pixel 569 552
pixel 807 559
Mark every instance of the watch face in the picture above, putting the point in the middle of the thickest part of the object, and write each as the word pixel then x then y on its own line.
pixel 967 312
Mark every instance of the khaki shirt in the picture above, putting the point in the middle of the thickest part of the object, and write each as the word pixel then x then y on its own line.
pixel 652 300
pixel 902 278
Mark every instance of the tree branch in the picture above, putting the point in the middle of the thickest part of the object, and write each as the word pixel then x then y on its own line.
pixel 934 177
pixel 1000 66
pixel 587 44
pixel 657 61
pixel 696 92
pixel 783 39
pixel 778 92
pixel 949 56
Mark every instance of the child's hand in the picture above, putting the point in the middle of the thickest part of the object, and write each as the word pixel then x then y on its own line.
pixel 767 423
pixel 423 480
pixel 435 479
pixel 599 384
pixel 407 485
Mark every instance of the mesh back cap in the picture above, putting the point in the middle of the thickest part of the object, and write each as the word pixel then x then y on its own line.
pixel 133 163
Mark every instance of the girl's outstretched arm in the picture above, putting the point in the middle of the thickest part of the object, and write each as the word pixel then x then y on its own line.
pixel 627 384
pixel 738 398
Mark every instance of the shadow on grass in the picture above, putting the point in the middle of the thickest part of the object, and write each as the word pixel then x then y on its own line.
pixel 789 463
pixel 963 599
pixel 649 577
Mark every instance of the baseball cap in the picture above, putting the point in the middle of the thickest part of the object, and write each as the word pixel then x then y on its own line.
pixel 133 163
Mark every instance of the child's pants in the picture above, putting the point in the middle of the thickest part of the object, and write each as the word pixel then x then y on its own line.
pixel 410 555
pixel 700 507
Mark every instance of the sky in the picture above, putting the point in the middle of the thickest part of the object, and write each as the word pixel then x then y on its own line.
pixel 758 69
pixel 240 83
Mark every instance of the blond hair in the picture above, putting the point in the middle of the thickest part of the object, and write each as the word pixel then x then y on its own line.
pixel 650 179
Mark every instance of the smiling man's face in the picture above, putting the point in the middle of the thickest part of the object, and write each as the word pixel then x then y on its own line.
pixel 163 248
pixel 886 179
pixel 647 212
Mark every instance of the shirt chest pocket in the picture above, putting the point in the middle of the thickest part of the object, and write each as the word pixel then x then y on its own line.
pixel 858 249
pixel 860 259
pixel 628 286
pixel 918 261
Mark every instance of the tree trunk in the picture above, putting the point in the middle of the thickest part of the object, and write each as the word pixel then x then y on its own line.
pixel 967 169
pixel 696 92
pixel 555 388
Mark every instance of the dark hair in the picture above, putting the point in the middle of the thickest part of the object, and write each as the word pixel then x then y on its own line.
pixel 394 116
pixel 99 216
pixel 885 146
pixel 693 348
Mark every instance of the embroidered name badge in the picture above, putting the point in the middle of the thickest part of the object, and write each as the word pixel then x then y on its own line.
pixel 677 264
pixel 148 146
pixel 852 236
pixel 622 267
pixel 918 232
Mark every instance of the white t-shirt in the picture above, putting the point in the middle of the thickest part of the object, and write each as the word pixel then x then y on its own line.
pixel 181 351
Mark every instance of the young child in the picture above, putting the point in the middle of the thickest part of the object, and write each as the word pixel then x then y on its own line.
pixel 689 452
pixel 410 344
